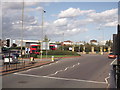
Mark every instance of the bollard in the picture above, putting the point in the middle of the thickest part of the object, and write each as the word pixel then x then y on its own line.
pixel 52 58
pixel 32 60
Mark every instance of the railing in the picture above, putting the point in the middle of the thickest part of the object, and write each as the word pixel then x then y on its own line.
pixel 113 77
pixel 15 66
pixel 114 83
pixel 24 64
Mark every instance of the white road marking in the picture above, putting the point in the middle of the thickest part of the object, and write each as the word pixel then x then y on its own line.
pixel 106 80
pixel 64 69
pixel 113 62
pixel 37 67
pixel 58 78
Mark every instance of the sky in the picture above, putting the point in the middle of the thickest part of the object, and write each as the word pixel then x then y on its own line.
pixel 75 21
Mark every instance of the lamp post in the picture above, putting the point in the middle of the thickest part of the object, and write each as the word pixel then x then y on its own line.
pixel 102 48
pixel 43 11
pixel 63 43
pixel 22 30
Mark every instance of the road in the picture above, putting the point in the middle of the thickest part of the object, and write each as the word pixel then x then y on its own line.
pixel 87 71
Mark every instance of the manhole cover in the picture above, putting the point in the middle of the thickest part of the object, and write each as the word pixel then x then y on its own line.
pixel 22 82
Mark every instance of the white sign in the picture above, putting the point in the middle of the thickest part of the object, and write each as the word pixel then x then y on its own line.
pixel 27 50
pixel 70 48
pixel 45 46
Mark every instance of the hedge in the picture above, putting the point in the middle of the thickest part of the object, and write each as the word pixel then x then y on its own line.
pixel 60 52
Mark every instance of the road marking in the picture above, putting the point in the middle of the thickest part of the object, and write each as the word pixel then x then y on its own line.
pixel 37 67
pixel 58 78
pixel 113 62
pixel 64 69
pixel 106 80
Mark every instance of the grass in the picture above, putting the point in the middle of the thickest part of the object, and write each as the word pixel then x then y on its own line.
pixel 50 56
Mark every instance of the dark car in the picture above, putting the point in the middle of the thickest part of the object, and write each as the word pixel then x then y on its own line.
pixel 112 55
pixel 10 58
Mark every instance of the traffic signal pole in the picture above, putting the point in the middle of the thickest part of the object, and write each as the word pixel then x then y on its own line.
pixel 118 58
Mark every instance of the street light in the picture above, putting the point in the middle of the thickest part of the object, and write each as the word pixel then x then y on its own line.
pixel 22 29
pixel 103 39
pixel 63 42
pixel 43 11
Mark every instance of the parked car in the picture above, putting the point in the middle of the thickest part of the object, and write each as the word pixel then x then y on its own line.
pixel 112 55
pixel 10 58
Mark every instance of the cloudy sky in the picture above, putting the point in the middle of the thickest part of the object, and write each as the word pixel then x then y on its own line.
pixel 76 21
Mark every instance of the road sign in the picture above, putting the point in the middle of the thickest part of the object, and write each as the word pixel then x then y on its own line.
pixel 27 50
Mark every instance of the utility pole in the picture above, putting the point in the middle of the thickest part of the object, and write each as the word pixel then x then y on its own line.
pixel 42 32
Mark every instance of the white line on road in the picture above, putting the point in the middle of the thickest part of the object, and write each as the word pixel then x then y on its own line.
pixel 113 62
pixel 64 69
pixel 106 80
pixel 37 67
pixel 58 78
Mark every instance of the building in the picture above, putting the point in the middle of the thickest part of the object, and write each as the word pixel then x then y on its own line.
pixel 79 43
pixel 66 43
pixel 94 42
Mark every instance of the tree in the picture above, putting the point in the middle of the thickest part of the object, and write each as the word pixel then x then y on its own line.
pixel 46 39
pixel 109 43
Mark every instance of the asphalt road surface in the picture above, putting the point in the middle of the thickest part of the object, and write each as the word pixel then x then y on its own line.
pixel 87 71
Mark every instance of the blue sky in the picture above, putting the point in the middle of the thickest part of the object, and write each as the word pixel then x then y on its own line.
pixel 55 8
pixel 97 17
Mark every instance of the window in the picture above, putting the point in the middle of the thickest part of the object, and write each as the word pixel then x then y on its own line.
pixel 33 51
pixel 52 46
pixel 34 46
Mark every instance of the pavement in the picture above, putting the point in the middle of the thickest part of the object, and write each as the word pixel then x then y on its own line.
pixel 87 71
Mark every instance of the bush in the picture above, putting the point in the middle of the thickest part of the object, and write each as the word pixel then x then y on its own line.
pixel 60 52
pixel 33 55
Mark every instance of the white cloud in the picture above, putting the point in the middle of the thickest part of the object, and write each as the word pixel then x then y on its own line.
pixel 73 12
pixel 104 17
pixel 111 24
pixel 39 8
pixel 60 22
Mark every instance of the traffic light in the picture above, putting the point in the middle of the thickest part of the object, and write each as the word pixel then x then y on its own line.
pixel 8 42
